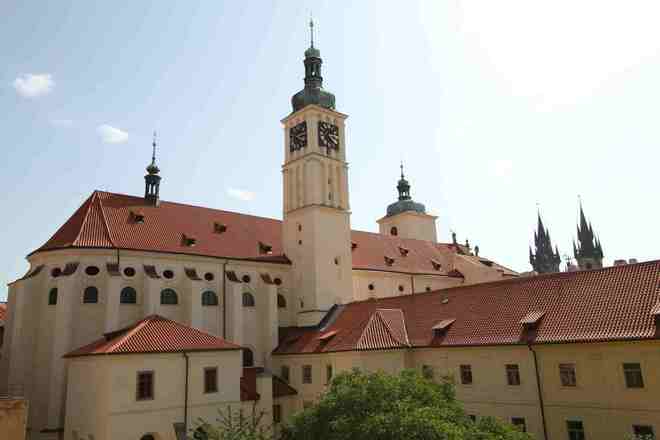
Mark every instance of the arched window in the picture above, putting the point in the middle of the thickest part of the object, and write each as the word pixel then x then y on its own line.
pixel 168 297
pixel 281 301
pixel 128 295
pixel 248 358
pixel 91 295
pixel 52 296
pixel 248 300
pixel 394 231
pixel 209 298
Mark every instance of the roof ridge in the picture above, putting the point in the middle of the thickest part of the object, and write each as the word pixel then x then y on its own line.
pixel 123 338
pixel 105 222
pixel 90 199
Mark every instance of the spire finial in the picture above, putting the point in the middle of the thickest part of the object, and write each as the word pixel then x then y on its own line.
pixel 311 30
pixel 153 153
pixel 401 166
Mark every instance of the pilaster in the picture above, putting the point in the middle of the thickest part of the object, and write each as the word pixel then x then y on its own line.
pixel 112 301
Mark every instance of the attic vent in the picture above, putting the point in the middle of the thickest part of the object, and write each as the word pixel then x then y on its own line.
pixel 404 251
pixel 353 245
pixel 231 276
pixel 137 216
pixel 445 300
pixel 265 249
pixel 389 260
pixel 532 319
pixel 486 262
pixel 219 228
pixel 442 327
pixel 436 265
pixel 189 241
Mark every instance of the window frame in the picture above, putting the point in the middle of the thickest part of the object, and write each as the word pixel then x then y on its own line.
pixel 168 290
pixel 512 374
pixel 519 422
pixel 277 413
pixel 633 376
pixel 572 430
pixel 152 375
pixel 464 371
pixel 281 301
pixel 52 296
pixel 567 368
pixel 88 300
pixel 209 298
pixel 248 300
pixel 122 297
pixel 306 378
pixel 285 377
pixel 249 357
pixel 214 388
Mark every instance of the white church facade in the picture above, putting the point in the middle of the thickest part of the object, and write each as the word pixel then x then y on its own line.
pixel 120 260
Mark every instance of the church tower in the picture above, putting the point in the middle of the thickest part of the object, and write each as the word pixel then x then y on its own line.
pixel 407 218
pixel 588 251
pixel 152 179
pixel 543 259
pixel 316 227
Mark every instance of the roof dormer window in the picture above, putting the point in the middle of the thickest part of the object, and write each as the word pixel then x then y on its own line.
pixel 436 265
pixel 219 228
pixel 389 260
pixel 265 249
pixel 137 216
pixel 189 240
pixel 403 251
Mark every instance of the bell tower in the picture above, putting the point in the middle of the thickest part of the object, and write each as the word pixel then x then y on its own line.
pixel 316 227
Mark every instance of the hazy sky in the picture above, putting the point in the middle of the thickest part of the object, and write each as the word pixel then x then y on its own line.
pixel 493 106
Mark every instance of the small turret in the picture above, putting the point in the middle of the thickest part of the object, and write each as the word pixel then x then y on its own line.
pixel 152 179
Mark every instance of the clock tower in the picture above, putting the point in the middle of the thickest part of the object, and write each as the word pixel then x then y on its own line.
pixel 316 227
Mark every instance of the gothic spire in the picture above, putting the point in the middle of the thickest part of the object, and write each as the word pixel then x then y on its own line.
pixel 152 179
pixel 543 259
pixel 588 251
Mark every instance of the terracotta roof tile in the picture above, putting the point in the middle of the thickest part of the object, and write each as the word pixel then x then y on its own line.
pixel 386 329
pixel 154 334
pixel 106 220
pixel 614 303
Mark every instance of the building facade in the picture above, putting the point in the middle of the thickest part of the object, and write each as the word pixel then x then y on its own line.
pixel 122 258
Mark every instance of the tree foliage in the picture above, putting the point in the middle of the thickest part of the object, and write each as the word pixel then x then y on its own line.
pixel 233 425
pixel 378 406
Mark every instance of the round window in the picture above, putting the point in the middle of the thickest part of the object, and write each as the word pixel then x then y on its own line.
pixel 56 272
pixel 371 287
pixel 246 278
pixel 277 281
pixel 428 288
pixel 129 272
pixel 168 274
pixel 92 270
pixel 208 276
pixel 400 288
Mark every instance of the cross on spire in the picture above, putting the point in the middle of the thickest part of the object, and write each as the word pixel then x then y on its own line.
pixel 311 30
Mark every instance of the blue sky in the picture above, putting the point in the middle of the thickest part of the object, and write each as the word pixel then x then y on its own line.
pixel 493 106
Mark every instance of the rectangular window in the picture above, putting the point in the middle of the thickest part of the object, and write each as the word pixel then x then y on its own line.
pixel 328 374
pixel 575 430
pixel 307 374
pixel 427 372
pixel 284 372
pixel 633 375
pixel 512 374
pixel 643 432
pixel 145 385
pixel 466 374
pixel 277 413
pixel 211 380
pixel 519 422
pixel 567 375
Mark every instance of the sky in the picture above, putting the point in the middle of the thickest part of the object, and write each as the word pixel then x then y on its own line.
pixel 497 109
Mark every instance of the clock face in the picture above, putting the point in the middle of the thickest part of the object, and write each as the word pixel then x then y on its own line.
pixel 328 135
pixel 298 136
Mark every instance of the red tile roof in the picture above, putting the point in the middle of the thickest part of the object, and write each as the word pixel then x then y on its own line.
pixel 386 329
pixel 107 220
pixel 154 334
pixel 614 303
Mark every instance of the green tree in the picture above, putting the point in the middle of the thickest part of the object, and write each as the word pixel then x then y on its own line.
pixel 378 406
pixel 233 425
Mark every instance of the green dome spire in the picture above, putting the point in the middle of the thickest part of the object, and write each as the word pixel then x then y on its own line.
pixel 313 92
pixel 405 203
